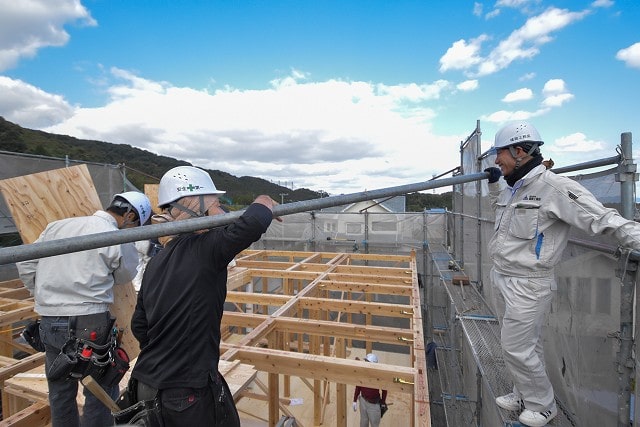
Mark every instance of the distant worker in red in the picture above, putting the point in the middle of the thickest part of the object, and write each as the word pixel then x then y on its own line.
pixel 371 402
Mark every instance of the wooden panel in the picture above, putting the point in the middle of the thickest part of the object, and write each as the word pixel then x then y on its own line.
pixel 151 190
pixel 38 199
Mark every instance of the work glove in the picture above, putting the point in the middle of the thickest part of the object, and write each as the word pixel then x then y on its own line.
pixel 355 406
pixel 494 174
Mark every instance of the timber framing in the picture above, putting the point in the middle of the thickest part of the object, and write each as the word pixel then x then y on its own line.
pixel 299 314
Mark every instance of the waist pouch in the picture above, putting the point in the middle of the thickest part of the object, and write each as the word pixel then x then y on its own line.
pixel 91 349
pixel 133 412
pixel 64 363
pixel 144 413
pixel 383 409
pixel 31 335
pixel 118 365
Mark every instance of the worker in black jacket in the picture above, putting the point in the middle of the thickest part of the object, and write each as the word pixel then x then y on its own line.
pixel 180 303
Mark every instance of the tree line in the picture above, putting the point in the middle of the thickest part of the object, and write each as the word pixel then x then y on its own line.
pixel 143 166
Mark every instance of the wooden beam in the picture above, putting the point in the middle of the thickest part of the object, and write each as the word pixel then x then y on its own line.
pixel 326 368
pixel 379 334
pixel 365 287
pixel 257 298
pixel 372 308
pixel 23 365
pixel 38 414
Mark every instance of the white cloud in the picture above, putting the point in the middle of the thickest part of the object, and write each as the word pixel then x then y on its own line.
pixel 29 25
pixel 523 94
pixel 554 86
pixel 576 142
pixel 602 3
pixel 331 135
pixel 528 76
pixel 504 116
pixel 477 9
pixel 630 55
pixel 516 4
pixel 557 100
pixel 462 55
pixel 522 44
pixel 414 92
pixel 492 14
pixel 468 85
pixel 555 93
pixel 23 103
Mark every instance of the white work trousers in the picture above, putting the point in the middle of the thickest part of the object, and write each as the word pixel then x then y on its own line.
pixel 522 305
pixel 369 413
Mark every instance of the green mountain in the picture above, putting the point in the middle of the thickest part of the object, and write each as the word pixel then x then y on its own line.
pixel 145 167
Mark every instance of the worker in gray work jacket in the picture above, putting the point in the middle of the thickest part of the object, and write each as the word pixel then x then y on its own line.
pixel 534 214
pixel 72 293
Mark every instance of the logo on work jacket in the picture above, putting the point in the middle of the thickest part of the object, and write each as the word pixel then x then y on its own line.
pixel 189 187
pixel 571 195
pixel 532 198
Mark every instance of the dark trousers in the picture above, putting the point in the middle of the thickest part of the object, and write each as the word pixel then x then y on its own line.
pixel 54 332
pixel 212 405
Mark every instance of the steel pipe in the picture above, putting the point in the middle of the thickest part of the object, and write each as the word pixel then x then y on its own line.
pixel 587 165
pixel 92 241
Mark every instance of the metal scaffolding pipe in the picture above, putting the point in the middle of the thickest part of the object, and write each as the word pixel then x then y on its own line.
pixel 626 360
pixel 627 177
pixel 588 165
pixel 92 241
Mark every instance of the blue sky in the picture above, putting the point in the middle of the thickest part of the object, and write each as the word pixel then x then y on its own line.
pixel 340 96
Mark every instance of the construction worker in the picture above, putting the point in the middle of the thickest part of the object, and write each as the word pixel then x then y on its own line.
pixel 180 304
pixel 72 294
pixel 534 214
pixel 371 402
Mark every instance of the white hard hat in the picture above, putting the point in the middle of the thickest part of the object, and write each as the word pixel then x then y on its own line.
pixel 138 201
pixel 517 133
pixel 371 358
pixel 184 181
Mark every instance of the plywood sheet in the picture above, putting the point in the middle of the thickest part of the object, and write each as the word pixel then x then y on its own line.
pixel 151 190
pixel 38 199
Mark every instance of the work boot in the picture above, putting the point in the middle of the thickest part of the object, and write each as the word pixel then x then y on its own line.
pixel 537 419
pixel 510 402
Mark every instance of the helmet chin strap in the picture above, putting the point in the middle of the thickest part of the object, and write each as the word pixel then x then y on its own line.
pixel 512 150
pixel 125 221
pixel 189 211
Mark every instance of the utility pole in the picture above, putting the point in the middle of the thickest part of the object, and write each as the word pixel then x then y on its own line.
pixel 282 197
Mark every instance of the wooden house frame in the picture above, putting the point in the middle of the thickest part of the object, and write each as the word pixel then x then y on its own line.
pixel 292 316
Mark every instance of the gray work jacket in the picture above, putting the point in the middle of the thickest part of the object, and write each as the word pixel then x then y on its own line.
pixel 534 217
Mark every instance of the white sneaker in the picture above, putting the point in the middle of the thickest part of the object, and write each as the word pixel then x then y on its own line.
pixel 510 402
pixel 537 419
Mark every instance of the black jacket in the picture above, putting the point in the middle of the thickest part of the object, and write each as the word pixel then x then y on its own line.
pixel 180 303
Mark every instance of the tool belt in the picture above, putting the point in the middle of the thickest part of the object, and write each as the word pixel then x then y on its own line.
pixel 31 335
pixel 91 349
pixel 141 404
pixel 138 412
